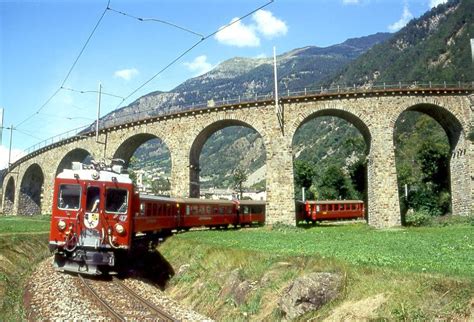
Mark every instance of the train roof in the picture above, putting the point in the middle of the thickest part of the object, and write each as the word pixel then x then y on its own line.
pixel 200 201
pixel 328 202
pixel 94 175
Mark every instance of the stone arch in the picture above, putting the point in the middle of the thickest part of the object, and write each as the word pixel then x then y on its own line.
pixel 347 116
pixel 31 191
pixel 9 197
pixel 459 182
pixel 340 113
pixel 198 143
pixel 76 155
pixel 130 145
pixel 448 121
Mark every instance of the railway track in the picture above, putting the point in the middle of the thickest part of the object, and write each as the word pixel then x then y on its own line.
pixel 122 303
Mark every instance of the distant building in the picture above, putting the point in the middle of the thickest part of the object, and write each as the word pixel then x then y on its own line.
pixel 227 194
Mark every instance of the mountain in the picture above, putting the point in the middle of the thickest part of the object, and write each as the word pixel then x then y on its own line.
pixel 299 68
pixel 434 47
pixel 249 77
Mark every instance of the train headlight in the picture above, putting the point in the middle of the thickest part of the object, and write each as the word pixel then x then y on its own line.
pixel 119 229
pixel 61 225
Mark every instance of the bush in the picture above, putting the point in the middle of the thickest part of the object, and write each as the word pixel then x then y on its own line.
pixel 418 218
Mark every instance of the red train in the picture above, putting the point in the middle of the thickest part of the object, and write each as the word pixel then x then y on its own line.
pixel 98 217
pixel 312 211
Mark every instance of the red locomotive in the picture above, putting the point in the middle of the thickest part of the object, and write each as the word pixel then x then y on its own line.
pixel 98 217
pixel 312 211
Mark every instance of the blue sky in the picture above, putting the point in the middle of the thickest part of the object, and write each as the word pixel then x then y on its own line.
pixel 39 41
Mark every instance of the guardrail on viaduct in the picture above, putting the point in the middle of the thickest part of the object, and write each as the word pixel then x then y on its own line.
pixel 323 92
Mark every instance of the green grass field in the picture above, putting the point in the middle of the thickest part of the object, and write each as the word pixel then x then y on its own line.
pixel 445 250
pixel 421 273
pixel 24 224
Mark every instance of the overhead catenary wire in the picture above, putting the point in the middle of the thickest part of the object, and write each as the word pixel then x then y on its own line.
pixel 27 134
pixel 157 20
pixel 194 46
pixel 70 69
pixel 108 8
pixel 92 91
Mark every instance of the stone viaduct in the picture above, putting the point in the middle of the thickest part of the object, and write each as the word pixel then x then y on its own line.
pixel 28 186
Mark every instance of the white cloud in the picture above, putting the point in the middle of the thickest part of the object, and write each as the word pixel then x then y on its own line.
pixel 435 3
pixel 404 19
pixel 199 65
pixel 16 154
pixel 238 34
pixel 350 1
pixel 268 24
pixel 126 74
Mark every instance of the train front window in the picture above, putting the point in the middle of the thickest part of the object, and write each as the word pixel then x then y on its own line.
pixel 116 200
pixel 69 196
pixel 93 199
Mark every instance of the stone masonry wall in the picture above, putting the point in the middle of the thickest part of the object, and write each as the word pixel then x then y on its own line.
pixel 374 115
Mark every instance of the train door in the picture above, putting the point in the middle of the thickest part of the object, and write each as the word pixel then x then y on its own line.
pixel 92 221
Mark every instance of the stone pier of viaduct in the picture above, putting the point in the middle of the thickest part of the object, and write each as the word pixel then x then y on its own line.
pixel 28 187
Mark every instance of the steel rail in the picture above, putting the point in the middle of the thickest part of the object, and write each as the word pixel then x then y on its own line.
pixel 100 300
pixel 155 309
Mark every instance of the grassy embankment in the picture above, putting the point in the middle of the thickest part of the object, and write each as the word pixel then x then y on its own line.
pixel 412 273
pixel 23 243
pixel 416 273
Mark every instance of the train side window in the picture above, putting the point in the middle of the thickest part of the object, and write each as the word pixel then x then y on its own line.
pixel 246 210
pixel 317 208
pixel 229 210
pixel 142 209
pixel 202 210
pixel 221 210
pixel 69 196
pixel 116 200
pixel 208 210
pixel 148 209
pixel 194 209
pixel 188 210
pixel 155 209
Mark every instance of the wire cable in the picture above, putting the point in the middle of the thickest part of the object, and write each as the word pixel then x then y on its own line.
pixel 28 134
pixel 70 69
pixel 191 48
pixel 89 91
pixel 86 43
pixel 157 20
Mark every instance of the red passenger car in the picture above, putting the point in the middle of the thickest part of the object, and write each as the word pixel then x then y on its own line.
pixel 98 217
pixel 312 211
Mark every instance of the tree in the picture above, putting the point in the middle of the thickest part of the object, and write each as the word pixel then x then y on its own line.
pixel 335 184
pixel 432 194
pixel 238 179
pixel 433 159
pixel 160 185
pixel 305 173
pixel 357 173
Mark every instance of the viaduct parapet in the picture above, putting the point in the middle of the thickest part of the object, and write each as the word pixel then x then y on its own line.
pixel 28 187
